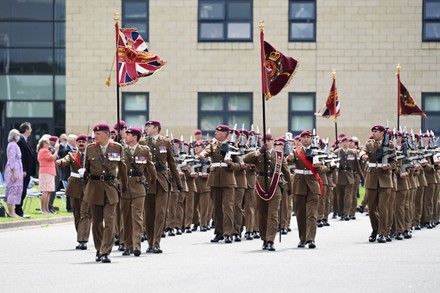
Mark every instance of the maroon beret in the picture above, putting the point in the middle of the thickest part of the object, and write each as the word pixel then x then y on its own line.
pixel 378 127
pixel 81 137
pixel 416 135
pixel 268 136
pixel 152 122
pixel 176 140
pixel 222 128
pixel 197 132
pixel 278 142
pixel 235 131
pixel 89 137
pixel 112 130
pixel 53 138
pixel 244 131
pixel 101 127
pixel 282 138
pixel 297 137
pixel 399 133
pixel 341 135
pixel 425 134
pixel 186 143
pixel 200 143
pixel 306 132
pixel 134 130
pixel 122 124
pixel 341 139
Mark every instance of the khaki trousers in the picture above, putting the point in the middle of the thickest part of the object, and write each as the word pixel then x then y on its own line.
pixel 306 214
pixel 155 210
pixel 238 210
pixel 269 216
pixel 249 209
pixel 132 214
pixel 223 210
pixel 378 208
pixel 103 235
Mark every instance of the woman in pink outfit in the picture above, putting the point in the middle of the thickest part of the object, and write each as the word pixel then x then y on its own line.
pixel 47 172
pixel 13 173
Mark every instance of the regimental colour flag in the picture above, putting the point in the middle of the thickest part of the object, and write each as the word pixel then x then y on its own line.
pixel 331 106
pixel 277 69
pixel 406 103
pixel 134 59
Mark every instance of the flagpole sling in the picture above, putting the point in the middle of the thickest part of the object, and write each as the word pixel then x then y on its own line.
pixel 264 90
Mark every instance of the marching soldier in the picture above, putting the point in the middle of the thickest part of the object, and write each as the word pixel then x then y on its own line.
pixel 269 192
pixel 344 186
pixel 221 179
pixel 75 190
pixel 140 167
pixel 104 161
pixel 378 181
pixel 307 187
pixel 157 195
pixel 203 189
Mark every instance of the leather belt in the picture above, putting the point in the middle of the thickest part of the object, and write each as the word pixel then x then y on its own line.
pixel 214 165
pixel 102 177
pixel 268 174
pixel 303 172
pixel 134 174
pixel 375 165
pixel 75 175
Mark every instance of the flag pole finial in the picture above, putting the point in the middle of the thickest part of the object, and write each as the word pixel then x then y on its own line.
pixel 261 25
pixel 334 73
pixel 398 68
pixel 116 16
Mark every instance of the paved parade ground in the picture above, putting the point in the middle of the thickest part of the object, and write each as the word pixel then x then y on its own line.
pixel 43 259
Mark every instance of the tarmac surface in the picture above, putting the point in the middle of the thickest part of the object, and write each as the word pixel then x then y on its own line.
pixel 42 258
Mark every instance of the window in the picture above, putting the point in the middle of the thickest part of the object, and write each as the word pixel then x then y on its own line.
pixel 301 112
pixel 224 108
pixel 135 15
pixel 225 20
pixel 135 108
pixel 431 21
pixel 302 21
pixel 431 107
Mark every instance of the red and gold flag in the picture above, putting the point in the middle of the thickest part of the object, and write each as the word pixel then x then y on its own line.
pixel 276 69
pixel 406 103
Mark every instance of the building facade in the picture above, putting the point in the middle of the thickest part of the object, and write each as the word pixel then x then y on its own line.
pixel 213 74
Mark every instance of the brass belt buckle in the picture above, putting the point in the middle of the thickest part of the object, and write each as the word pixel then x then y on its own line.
pixel 101 178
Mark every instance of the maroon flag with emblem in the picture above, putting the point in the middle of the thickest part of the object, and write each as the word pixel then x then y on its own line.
pixel 276 68
pixel 406 103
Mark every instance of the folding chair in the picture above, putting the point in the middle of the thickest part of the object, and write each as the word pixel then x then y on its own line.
pixel 31 194
pixel 2 192
pixel 62 195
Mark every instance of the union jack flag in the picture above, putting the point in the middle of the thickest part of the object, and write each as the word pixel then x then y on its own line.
pixel 331 106
pixel 134 59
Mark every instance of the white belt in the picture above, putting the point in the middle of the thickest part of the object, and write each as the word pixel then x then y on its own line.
pixel 303 172
pixel 375 165
pixel 219 165
pixel 75 175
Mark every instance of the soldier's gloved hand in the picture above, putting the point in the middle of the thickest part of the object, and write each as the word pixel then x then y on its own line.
pixel 180 188
pixel 262 149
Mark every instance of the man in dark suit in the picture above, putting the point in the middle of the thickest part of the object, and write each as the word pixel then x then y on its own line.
pixel 28 160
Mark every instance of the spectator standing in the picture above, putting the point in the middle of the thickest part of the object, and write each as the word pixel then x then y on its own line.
pixel 13 173
pixel 47 171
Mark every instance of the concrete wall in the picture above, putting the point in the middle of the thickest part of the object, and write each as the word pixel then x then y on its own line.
pixel 362 40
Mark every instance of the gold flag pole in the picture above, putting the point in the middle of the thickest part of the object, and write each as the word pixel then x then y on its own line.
pixel 116 18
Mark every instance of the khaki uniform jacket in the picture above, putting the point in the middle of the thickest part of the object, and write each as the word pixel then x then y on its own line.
pixel 303 183
pixel 163 159
pixel 96 191
pixel 140 162
pixel 75 186
pixel 221 176
pixel 250 176
pixel 240 177
pixel 377 177
pixel 347 164
pixel 257 159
